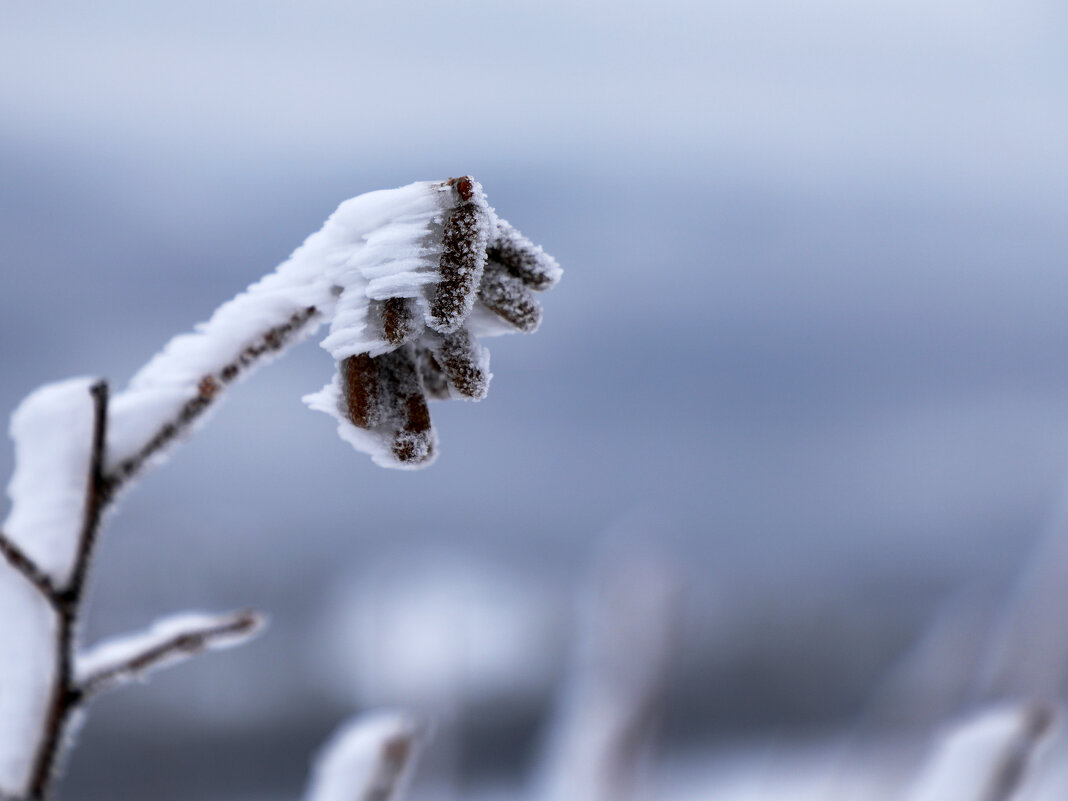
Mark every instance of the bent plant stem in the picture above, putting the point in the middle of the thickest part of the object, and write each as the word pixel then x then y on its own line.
pixel 66 603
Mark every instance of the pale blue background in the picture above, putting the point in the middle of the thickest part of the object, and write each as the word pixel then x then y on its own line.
pixel 811 336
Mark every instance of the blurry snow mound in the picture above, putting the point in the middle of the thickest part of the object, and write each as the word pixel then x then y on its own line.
pixel 437 632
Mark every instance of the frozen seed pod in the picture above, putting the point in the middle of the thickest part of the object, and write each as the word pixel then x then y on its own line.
pixel 406 413
pixel 464 363
pixel 509 298
pixel 463 256
pixel 522 258
pixel 401 320
pixel 360 375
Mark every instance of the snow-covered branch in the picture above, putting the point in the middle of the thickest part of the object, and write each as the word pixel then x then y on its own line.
pixel 367 759
pixel 168 642
pixel 986 757
pixel 408 280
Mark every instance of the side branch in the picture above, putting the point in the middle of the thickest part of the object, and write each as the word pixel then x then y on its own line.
pixel 27 568
pixel 168 642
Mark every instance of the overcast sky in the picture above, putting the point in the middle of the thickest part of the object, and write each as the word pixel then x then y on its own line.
pixel 959 93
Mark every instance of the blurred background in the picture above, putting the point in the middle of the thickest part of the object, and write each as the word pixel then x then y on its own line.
pixel 808 349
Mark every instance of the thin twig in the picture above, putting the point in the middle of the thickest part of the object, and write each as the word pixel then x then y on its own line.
pixel 65 695
pixel 66 601
pixel 17 558
pixel 186 643
pixel 207 392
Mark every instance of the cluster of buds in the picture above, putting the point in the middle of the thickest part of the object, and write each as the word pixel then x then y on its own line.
pixel 422 339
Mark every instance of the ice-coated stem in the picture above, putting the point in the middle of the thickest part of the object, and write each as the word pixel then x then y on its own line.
pixel 66 602
pixel 26 566
pixel 207 391
pixel 169 641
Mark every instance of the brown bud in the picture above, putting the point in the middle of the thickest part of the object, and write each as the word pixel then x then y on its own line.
pixel 522 258
pixel 509 298
pixel 462 259
pixel 459 355
pixel 407 414
pixel 399 320
pixel 360 376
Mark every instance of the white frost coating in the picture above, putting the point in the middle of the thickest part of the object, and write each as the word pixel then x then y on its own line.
pixel 384 243
pixel 376 443
pixel 27 666
pixel 985 757
pixel 169 641
pixel 540 269
pixel 53 434
pixel 366 760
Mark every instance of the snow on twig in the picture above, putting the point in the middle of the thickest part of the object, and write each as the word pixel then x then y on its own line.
pixel 367 759
pixel 52 431
pixel 168 642
pixel 28 659
pixel 986 757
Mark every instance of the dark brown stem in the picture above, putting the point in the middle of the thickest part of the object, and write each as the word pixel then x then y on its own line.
pixel 66 603
pixel 207 392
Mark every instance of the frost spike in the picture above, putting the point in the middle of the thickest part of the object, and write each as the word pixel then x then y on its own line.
pixel 360 374
pixel 463 256
pixel 509 298
pixel 461 359
pixel 522 258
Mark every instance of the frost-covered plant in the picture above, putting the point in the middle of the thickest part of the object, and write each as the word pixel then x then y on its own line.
pixel 408 280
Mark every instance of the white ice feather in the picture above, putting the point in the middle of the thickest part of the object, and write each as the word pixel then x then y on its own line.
pixel 388 240
pixel 53 434
pixel 376 444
